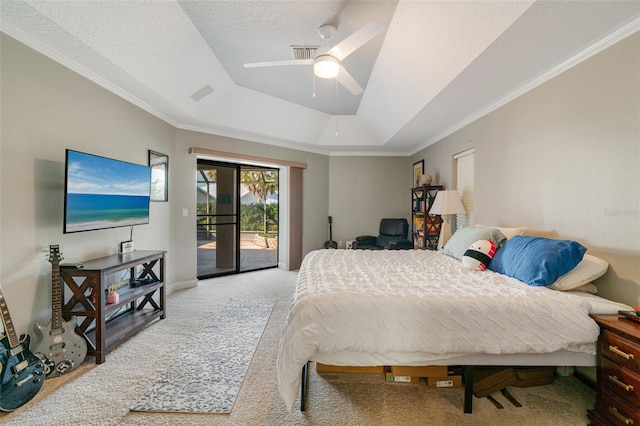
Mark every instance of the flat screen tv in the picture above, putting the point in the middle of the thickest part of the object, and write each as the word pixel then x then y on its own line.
pixel 101 193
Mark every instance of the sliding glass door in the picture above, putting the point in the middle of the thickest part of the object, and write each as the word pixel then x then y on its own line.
pixel 217 218
pixel 237 218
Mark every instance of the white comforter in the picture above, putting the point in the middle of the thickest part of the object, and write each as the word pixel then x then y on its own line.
pixel 405 301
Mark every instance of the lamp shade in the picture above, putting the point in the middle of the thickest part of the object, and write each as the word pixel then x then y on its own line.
pixel 447 202
pixel 326 66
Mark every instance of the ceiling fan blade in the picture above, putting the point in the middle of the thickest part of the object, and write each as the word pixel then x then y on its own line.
pixel 348 82
pixel 279 63
pixel 356 40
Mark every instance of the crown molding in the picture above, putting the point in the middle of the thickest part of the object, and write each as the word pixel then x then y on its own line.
pixel 597 47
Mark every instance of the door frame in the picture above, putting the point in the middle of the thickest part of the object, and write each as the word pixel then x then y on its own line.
pixel 290 248
pixel 236 221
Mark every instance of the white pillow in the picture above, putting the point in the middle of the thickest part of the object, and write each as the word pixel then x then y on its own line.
pixel 507 232
pixel 589 269
pixel 587 288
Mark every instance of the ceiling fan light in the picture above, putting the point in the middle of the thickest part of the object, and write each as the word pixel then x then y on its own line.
pixel 326 66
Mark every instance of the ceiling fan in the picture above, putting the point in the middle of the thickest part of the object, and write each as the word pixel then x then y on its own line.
pixel 328 65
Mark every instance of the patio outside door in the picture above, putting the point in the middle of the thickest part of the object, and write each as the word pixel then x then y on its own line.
pixel 237 218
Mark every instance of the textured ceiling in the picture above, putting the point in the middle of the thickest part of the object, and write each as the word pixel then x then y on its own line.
pixel 244 32
pixel 437 65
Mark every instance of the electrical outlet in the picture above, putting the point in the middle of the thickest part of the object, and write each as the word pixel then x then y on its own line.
pixel 339 244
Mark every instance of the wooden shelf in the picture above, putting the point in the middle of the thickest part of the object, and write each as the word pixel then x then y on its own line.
pixel 124 325
pixel 425 228
pixel 132 294
pixel 105 325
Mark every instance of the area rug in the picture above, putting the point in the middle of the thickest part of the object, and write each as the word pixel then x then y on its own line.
pixel 207 376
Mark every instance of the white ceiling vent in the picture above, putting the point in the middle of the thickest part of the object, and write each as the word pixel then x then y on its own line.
pixel 202 93
pixel 304 52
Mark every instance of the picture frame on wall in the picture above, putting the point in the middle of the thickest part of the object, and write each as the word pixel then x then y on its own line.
pixel 418 170
pixel 159 164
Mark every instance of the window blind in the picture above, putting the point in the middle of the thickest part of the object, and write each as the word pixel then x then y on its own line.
pixel 464 182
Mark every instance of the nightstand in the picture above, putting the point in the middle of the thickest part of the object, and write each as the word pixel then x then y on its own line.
pixel 618 387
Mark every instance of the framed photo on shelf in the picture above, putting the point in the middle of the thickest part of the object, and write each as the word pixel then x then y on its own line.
pixel 159 164
pixel 418 170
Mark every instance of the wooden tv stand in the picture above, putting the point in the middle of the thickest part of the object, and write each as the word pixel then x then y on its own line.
pixel 105 325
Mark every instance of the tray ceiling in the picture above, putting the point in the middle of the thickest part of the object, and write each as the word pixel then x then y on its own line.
pixel 437 66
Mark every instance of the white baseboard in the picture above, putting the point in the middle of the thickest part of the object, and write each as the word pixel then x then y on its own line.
pixel 180 285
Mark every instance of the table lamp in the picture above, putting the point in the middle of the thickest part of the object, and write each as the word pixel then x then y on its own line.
pixel 446 204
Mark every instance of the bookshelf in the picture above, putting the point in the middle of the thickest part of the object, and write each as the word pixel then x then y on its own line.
pixel 425 228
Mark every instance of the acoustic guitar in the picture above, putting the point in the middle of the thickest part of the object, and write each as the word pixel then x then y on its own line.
pixel 58 345
pixel 330 244
pixel 22 373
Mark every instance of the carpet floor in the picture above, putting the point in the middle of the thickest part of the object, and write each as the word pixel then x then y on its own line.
pixel 102 394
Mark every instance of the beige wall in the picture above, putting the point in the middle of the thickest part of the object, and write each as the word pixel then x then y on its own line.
pixel 45 109
pixel 363 190
pixel 564 161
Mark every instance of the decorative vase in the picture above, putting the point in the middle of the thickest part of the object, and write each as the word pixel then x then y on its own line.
pixel 425 179
pixel 113 298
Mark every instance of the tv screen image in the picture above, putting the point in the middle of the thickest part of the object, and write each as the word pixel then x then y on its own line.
pixel 103 193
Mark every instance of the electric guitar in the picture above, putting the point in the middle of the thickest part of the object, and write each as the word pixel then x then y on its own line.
pixel 22 373
pixel 60 347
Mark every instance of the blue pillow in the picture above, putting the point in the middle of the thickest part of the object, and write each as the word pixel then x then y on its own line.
pixel 537 261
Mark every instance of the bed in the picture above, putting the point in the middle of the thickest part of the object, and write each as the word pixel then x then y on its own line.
pixel 420 307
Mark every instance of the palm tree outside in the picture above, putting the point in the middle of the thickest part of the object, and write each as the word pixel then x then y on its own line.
pixel 263 185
